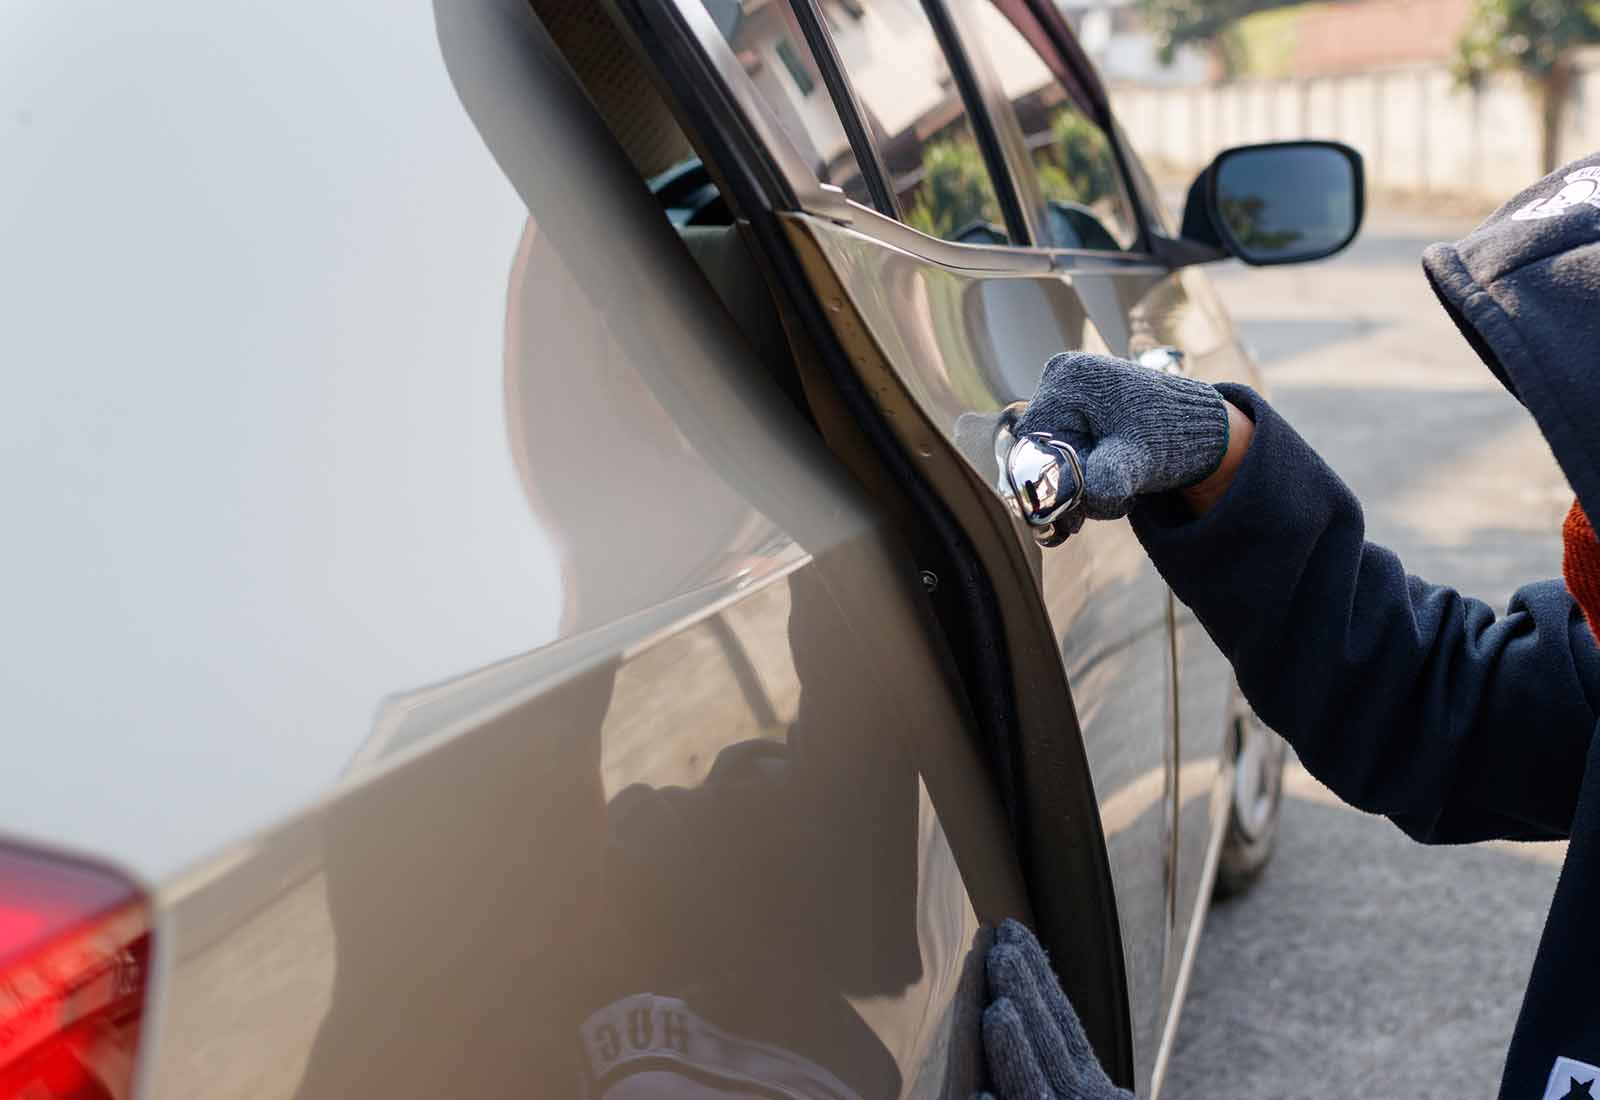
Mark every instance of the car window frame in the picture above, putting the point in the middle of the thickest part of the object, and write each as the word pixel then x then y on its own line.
pixel 1020 165
pixel 786 165
pixel 1013 210
pixel 813 25
pixel 1098 109
pixel 791 180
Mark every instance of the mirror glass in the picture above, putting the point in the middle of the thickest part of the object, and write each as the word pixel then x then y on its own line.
pixel 1278 204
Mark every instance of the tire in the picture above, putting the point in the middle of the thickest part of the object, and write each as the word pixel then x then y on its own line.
pixel 1255 805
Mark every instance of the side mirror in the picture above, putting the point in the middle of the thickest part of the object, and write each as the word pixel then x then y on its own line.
pixel 1282 203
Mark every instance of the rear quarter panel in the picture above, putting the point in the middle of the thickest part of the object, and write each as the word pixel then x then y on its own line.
pixel 432 603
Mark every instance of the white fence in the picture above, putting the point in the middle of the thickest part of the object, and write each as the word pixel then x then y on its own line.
pixel 1418 130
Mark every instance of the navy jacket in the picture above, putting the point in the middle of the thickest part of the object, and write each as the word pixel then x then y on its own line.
pixel 1409 699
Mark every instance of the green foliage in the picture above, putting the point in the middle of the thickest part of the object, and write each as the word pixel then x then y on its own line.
pixel 1077 164
pixel 1265 43
pixel 1531 37
pixel 1528 36
pixel 1244 217
pixel 955 190
pixel 1178 23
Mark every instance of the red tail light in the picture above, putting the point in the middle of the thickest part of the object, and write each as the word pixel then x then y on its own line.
pixel 74 952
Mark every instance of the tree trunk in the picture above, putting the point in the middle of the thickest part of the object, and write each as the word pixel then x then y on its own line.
pixel 1553 87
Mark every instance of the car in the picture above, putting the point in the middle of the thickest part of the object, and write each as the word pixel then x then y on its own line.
pixel 519 577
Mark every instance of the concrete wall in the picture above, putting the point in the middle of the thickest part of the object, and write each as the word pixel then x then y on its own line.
pixel 1418 130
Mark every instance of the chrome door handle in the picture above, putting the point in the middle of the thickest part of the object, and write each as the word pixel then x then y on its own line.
pixel 1167 360
pixel 1046 481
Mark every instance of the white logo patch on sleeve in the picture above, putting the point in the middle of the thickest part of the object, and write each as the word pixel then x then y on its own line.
pixel 1571 1079
pixel 1583 188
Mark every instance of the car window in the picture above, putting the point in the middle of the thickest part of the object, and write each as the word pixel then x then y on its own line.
pixel 770 45
pixel 1072 159
pixel 1157 213
pixel 915 113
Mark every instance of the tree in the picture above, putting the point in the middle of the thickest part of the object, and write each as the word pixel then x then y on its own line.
pixel 1077 164
pixel 1178 23
pixel 955 191
pixel 1534 38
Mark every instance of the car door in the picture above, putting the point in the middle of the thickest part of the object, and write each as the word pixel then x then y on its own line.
pixel 948 310
pixel 1088 189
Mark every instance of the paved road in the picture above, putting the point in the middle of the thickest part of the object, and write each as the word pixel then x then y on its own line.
pixel 1364 965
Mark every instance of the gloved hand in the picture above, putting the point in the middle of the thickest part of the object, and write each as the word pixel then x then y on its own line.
pixel 1034 1043
pixel 1136 430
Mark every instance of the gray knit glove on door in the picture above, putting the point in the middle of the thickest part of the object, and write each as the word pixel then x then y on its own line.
pixel 1032 1039
pixel 1136 430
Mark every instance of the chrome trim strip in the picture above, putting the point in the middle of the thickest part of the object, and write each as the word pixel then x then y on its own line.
pixel 1121 263
pixel 994 257
pixel 960 257
pixel 1180 988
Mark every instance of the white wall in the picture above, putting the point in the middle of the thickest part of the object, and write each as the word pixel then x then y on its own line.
pixel 1418 130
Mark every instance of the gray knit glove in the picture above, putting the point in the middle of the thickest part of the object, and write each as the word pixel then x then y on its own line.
pixel 1034 1043
pixel 1136 429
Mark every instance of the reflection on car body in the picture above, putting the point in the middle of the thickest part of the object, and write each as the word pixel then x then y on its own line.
pixel 475 609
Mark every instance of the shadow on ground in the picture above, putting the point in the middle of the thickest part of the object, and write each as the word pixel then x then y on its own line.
pixel 1362 965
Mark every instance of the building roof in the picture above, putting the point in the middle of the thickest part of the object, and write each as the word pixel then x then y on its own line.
pixel 1365 34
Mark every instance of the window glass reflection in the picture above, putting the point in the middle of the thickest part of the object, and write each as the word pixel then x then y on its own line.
pixel 1283 202
pixel 915 112
pixel 1071 156
pixel 769 44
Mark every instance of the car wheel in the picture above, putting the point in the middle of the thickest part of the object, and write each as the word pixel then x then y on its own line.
pixel 1254 806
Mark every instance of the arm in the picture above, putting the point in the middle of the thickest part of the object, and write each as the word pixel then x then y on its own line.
pixel 1204 495
pixel 1405 698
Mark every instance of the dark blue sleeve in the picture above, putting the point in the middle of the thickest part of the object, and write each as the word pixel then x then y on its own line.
pixel 1407 699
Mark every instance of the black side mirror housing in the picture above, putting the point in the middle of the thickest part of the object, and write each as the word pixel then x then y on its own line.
pixel 1285 202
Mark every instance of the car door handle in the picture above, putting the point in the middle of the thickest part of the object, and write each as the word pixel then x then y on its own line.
pixel 1046 482
pixel 1167 360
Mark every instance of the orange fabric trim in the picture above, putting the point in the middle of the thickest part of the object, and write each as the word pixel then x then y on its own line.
pixel 1580 565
